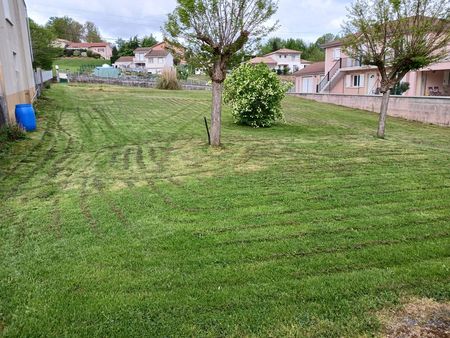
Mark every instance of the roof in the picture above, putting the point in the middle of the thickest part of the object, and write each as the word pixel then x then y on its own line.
pixel 285 51
pixel 87 44
pixel 263 59
pixel 142 49
pixel 316 68
pixel 334 43
pixel 125 59
pixel 157 53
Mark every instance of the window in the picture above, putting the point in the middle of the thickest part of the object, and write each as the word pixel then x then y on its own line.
pixel 357 81
pixel 141 57
pixel 161 60
pixel 293 57
pixel 150 60
pixel 7 10
pixel 337 53
pixel 354 81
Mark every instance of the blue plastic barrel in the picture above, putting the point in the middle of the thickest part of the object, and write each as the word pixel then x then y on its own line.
pixel 25 116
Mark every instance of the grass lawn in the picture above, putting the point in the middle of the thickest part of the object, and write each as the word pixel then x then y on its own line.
pixel 118 220
pixel 73 64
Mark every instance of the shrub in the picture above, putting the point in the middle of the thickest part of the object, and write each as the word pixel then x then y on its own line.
pixel 68 52
pixel 168 79
pixel 182 72
pixel 255 94
pixel 76 53
pixel 400 88
pixel 11 132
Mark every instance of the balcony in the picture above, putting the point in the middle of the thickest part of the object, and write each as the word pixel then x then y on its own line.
pixel 349 63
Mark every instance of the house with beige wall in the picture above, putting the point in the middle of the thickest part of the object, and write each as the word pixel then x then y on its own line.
pixel 153 59
pixel 16 70
pixel 344 75
pixel 281 59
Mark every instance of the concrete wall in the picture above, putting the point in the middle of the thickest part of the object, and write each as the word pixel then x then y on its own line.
pixel 16 71
pixel 435 110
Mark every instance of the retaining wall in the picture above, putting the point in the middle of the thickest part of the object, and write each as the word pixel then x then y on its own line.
pixel 428 109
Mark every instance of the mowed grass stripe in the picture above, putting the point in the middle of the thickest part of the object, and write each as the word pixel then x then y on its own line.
pixel 119 220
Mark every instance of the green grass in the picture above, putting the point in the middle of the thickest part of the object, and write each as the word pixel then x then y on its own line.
pixel 118 220
pixel 73 64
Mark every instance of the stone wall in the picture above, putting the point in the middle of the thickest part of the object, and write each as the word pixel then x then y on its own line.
pixel 433 109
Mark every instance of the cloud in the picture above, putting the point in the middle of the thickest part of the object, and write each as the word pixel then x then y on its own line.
pixel 306 19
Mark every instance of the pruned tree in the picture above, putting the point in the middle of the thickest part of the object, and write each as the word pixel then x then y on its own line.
pixel 396 36
pixel 212 32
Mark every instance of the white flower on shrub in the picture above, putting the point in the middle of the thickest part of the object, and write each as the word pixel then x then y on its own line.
pixel 254 94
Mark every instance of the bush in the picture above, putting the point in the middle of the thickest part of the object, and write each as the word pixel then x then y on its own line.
pixel 400 88
pixel 168 80
pixel 182 72
pixel 68 52
pixel 76 53
pixel 11 132
pixel 255 94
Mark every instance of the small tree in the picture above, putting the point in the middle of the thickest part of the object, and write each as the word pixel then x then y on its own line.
pixel 396 36
pixel 212 32
pixel 255 93
pixel 91 32
pixel 43 51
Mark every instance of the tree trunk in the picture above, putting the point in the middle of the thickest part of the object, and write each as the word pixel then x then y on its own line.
pixel 383 114
pixel 216 112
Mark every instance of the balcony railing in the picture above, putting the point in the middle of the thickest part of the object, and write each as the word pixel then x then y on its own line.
pixel 341 63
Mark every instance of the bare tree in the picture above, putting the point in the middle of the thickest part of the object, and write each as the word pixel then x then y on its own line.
pixel 212 32
pixel 396 36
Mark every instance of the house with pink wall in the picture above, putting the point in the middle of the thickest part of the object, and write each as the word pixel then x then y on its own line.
pixel 104 49
pixel 344 75
pixel 308 78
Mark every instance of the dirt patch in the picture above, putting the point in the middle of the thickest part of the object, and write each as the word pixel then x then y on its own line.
pixel 424 318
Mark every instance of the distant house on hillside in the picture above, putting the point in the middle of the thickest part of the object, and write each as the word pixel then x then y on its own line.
pixel 17 83
pixel 281 59
pixel 61 43
pixel 150 59
pixel 102 48
pixel 267 60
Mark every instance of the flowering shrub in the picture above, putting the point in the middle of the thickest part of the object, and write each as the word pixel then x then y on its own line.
pixel 255 93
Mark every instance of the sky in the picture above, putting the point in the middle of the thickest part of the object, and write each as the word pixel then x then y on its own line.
pixel 306 19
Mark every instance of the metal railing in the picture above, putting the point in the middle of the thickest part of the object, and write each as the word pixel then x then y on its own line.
pixel 339 64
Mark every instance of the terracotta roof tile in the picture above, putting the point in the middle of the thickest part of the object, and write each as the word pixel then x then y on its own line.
pixel 263 59
pixel 87 44
pixel 316 68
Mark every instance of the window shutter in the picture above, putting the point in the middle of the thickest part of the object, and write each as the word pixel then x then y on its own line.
pixel 348 81
pixel 361 81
